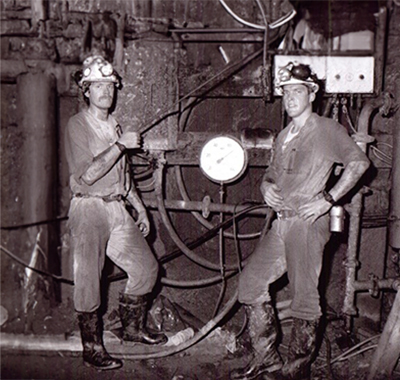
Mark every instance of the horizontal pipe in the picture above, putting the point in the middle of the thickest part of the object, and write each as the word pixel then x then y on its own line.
pixel 209 30
pixel 386 283
pixel 200 206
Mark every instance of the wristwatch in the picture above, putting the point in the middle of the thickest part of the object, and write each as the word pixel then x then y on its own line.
pixel 121 147
pixel 328 197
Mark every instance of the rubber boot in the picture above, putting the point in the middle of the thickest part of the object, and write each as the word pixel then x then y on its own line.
pixel 133 311
pixel 94 353
pixel 301 349
pixel 263 334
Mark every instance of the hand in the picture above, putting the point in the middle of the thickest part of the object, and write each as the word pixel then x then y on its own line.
pixel 131 140
pixel 313 210
pixel 143 222
pixel 272 197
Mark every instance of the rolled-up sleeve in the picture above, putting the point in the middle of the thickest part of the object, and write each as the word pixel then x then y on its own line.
pixel 79 156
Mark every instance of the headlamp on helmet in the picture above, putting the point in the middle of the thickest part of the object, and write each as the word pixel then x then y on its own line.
pixel 97 69
pixel 295 74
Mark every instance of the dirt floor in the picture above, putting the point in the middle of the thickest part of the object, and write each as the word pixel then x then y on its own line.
pixel 210 359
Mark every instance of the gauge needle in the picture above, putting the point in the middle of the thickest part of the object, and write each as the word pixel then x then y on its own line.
pixel 222 158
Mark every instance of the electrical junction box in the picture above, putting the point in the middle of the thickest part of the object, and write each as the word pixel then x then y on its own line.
pixel 350 75
pixel 342 74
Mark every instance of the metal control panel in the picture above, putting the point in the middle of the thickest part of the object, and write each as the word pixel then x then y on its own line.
pixel 352 75
pixel 342 75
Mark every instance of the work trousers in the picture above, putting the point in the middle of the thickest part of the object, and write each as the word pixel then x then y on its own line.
pixel 293 246
pixel 100 228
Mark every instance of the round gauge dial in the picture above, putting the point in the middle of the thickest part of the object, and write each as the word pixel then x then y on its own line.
pixel 223 159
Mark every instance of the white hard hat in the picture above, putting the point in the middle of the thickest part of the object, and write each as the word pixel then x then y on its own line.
pixel 295 74
pixel 97 69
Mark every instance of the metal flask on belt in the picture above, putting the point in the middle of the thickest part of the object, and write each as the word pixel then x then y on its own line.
pixel 336 219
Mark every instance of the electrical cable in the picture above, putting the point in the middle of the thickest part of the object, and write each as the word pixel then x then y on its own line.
pixel 376 151
pixel 344 355
pixel 147 187
pixel 165 281
pixel 276 24
pixel 265 67
pixel 27 225
pixel 221 255
pixel 43 273
pixel 380 155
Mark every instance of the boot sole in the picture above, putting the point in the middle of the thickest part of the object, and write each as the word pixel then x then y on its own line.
pixel 99 369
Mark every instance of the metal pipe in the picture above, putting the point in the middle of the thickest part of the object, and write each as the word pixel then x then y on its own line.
pixel 372 285
pixel 198 217
pixel 394 214
pixel 212 31
pixel 202 206
pixel 351 263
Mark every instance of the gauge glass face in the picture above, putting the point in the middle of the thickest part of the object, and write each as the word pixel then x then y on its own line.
pixel 223 159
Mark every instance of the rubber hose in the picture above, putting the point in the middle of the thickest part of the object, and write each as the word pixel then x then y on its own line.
pixel 205 330
pixel 164 216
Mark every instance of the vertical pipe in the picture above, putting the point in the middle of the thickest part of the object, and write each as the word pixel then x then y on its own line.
pixel 36 102
pixel 394 214
pixel 36 99
pixel 355 216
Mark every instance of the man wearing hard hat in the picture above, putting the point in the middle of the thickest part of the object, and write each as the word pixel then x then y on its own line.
pixel 99 223
pixel 295 186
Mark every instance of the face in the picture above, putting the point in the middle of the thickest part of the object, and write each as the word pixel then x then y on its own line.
pixel 101 94
pixel 297 99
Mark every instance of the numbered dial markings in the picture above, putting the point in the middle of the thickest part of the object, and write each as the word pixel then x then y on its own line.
pixel 223 159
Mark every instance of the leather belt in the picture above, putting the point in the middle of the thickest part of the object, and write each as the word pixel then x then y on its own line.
pixel 106 198
pixel 285 214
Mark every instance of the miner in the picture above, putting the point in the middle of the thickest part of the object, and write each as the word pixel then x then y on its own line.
pixel 99 222
pixel 295 186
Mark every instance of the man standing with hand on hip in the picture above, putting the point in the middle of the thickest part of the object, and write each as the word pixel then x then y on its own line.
pixel 294 185
pixel 99 223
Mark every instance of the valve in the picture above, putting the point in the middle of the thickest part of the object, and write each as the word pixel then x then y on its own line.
pixel 374 289
pixel 206 207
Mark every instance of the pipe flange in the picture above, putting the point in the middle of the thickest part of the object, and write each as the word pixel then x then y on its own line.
pixel 374 289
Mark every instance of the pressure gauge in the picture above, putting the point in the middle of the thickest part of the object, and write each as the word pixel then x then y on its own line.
pixel 223 159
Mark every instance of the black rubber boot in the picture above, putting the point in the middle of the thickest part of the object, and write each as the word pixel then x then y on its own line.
pixel 301 349
pixel 94 353
pixel 133 311
pixel 263 333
